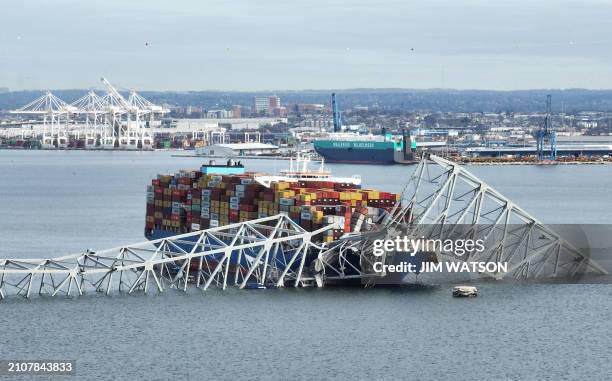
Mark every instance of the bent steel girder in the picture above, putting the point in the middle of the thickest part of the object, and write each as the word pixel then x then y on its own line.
pixel 269 250
pixel 442 200
pixel 350 257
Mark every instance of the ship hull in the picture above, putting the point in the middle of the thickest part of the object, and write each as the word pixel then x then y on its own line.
pixel 356 155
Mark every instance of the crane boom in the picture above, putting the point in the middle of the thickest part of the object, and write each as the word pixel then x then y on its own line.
pixel 115 94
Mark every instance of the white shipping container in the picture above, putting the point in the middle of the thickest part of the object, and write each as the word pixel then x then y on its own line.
pixel 286 201
pixel 335 220
pixel 214 223
pixel 240 188
pixel 357 227
pixel 195 227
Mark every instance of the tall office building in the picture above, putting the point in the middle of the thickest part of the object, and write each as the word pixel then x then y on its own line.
pixel 236 111
pixel 274 102
pixel 266 105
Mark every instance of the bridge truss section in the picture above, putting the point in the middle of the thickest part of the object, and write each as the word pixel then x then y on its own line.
pixel 443 200
pixel 268 251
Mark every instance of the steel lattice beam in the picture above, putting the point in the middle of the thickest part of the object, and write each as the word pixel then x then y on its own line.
pixel 269 250
pixel 442 200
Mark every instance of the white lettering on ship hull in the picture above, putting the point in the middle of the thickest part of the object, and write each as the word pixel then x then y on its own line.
pixel 352 145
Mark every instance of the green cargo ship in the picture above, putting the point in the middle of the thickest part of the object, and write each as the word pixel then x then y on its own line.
pixel 358 149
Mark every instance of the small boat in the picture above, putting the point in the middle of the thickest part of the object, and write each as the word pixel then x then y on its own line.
pixel 465 291
pixel 255 286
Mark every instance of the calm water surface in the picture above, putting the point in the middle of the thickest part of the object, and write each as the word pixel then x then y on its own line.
pixel 55 203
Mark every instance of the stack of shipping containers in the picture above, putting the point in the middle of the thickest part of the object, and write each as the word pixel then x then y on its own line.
pixel 191 200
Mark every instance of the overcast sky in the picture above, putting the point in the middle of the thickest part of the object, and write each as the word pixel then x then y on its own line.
pixel 314 44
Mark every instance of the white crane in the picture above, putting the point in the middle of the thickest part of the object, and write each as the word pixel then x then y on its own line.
pixel 109 121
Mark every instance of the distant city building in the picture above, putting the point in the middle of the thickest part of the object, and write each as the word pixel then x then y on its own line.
pixel 320 123
pixel 218 114
pixel 261 104
pixel 586 123
pixel 307 108
pixel 267 105
pixel 187 110
pixel 236 112
pixel 274 102
pixel 238 149
pixel 185 125
pixel 280 112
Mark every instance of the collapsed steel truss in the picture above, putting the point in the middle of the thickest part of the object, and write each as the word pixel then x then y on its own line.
pixel 442 200
pixel 266 251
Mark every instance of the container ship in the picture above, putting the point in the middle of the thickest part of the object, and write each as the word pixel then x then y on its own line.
pixel 218 195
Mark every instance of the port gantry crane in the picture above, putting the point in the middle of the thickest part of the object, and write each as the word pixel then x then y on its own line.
pixel 546 136
pixel 92 107
pixel 56 118
pixel 109 121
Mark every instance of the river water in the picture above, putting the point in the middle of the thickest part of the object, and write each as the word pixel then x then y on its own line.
pixel 56 203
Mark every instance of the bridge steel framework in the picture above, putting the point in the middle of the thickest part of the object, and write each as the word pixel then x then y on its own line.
pixel 443 200
pixel 269 250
